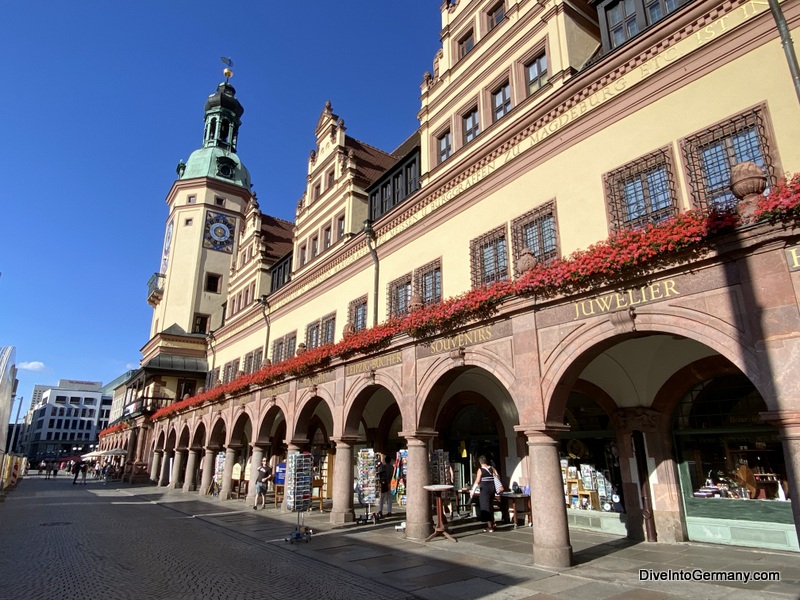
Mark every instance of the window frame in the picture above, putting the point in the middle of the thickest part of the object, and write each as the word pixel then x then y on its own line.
pixel 394 307
pixel 537 215
pixel 465 44
pixel 435 266
pixel 618 203
pixel 218 288
pixel 470 132
pixel 756 118
pixel 477 260
pixel 491 15
pixel 445 136
pixel 353 313
pixel 507 104
pixel 543 77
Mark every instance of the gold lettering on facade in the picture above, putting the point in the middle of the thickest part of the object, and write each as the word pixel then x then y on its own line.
pixel 617 300
pixel 462 340
pixel 793 258
pixel 387 360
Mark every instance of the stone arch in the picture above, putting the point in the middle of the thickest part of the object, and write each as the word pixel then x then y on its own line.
pixel 199 437
pixel 218 434
pixel 185 437
pixel 308 406
pixel 578 349
pixel 354 409
pixel 690 376
pixel 172 439
pixel 238 432
pixel 267 426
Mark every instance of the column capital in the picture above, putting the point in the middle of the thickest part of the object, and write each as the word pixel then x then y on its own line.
pixel 542 433
pixel 418 436
pixel 345 440
pixel 786 421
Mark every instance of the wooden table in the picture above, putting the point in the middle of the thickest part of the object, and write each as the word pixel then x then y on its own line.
pixel 441 522
pixel 512 501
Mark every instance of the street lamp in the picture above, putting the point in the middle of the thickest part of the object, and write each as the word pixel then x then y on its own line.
pixel 264 306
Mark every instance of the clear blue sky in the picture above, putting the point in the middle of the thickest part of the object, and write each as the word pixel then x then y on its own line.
pixel 103 98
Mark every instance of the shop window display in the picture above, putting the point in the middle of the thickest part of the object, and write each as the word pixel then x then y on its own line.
pixel 730 462
pixel 589 458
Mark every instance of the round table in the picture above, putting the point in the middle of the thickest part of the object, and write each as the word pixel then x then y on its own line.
pixel 441 522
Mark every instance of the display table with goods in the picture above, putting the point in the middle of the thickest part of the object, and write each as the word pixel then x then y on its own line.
pixel 440 528
pixel 297 492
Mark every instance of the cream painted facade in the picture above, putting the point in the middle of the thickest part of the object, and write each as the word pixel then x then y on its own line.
pixel 634 361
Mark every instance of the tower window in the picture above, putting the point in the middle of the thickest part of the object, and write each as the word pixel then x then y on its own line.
pixel 219 201
pixel 191 199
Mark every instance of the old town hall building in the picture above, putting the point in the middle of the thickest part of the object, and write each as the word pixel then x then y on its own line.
pixel 531 276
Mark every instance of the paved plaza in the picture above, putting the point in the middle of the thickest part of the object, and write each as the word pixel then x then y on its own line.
pixel 122 541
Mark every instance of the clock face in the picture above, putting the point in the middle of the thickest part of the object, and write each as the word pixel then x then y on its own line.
pixel 219 230
pixel 168 238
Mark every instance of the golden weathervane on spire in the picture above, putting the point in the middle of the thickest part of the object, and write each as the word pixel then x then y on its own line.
pixel 227 71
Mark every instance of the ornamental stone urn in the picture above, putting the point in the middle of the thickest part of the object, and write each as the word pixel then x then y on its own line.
pixel 349 329
pixel 415 302
pixel 526 261
pixel 748 182
pixel 301 347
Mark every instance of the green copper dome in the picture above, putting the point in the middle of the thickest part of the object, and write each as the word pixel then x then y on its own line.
pixel 217 158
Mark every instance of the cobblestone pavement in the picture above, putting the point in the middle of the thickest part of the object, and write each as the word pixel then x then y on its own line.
pixel 63 542
pixel 148 542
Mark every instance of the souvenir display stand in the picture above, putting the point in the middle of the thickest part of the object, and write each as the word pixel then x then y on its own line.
pixel 586 488
pixel 297 492
pixel 398 483
pixel 368 486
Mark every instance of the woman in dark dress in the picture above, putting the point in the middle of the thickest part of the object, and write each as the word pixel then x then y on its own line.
pixel 484 479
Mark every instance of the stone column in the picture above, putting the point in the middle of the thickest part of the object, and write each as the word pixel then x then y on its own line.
pixel 551 545
pixel 258 454
pixel 342 511
pixel 227 474
pixel 163 478
pixel 419 524
pixel 155 467
pixel 788 424
pixel 208 470
pixel 177 465
pixel 190 485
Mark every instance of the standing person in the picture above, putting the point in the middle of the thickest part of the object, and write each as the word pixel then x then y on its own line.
pixel 76 470
pixel 84 467
pixel 48 469
pixel 484 479
pixel 42 467
pixel 264 477
pixel 384 472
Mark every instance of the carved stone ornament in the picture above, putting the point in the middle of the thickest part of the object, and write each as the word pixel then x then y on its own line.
pixel 624 321
pixel 349 329
pixel 301 347
pixel 637 418
pixel 526 261
pixel 415 302
pixel 748 182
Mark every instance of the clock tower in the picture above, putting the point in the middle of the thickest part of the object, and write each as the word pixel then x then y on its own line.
pixel 207 205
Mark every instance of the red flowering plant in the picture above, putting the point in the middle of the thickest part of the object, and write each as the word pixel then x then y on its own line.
pixel 621 255
pixel 113 429
pixel 782 204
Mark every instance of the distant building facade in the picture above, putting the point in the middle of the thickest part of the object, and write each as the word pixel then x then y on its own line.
pixel 653 401
pixel 66 420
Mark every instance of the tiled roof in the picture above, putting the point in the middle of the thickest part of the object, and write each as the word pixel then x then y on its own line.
pixel 370 161
pixel 407 146
pixel 278 236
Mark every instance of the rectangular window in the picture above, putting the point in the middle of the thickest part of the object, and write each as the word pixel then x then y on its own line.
pixel 496 15
pixel 326 238
pixel 471 125
pixel 642 192
pixel 399 296
pixel 61 399
pixel 711 155
pixel 340 227
pixel 536 73
pixel 314 247
pixel 622 22
pixel 89 401
pixel 188 222
pixel 331 178
pixel 501 101
pixel 428 282
pixel 75 400
pixel 302 255
pixel 213 283
pixel 536 231
pixel 317 191
pixel 200 324
pixel 444 145
pixel 328 329
pixel 312 335
pixel 398 189
pixel 465 44
pixel 219 201
pixel 489 258
pixel 357 313
pixel 412 177
pixel 191 199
